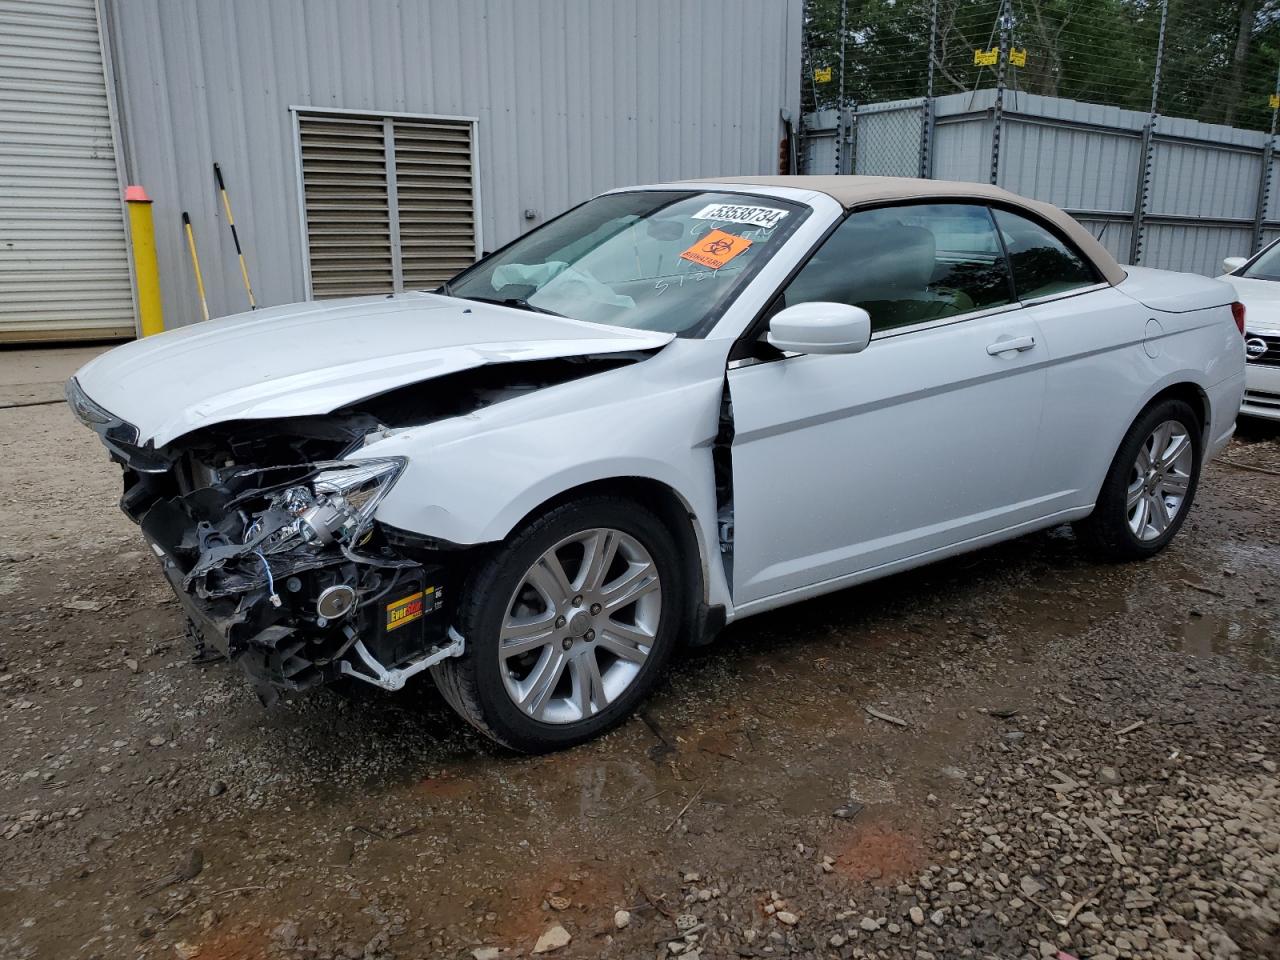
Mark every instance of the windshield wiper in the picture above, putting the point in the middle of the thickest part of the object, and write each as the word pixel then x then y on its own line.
pixel 516 302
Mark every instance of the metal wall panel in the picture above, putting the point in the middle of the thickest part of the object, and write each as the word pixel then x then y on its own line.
pixel 64 267
pixel 1086 158
pixel 962 150
pixel 1077 168
pixel 572 97
pixel 1204 180
pixel 1193 249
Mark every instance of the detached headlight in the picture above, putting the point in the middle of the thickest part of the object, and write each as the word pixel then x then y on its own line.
pixel 340 502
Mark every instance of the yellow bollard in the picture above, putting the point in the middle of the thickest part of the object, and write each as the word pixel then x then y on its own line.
pixel 146 272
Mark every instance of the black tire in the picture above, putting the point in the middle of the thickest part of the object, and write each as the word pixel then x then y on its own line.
pixel 473 683
pixel 1106 532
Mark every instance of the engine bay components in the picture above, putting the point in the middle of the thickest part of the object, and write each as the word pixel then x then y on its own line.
pixel 336 601
pixel 281 567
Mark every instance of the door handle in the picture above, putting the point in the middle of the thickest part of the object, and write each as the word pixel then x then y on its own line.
pixel 1009 344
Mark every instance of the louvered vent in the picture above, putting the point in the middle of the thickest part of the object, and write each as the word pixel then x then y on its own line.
pixel 344 181
pixel 375 226
pixel 436 200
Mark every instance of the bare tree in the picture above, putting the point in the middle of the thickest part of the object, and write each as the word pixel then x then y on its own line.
pixel 951 37
pixel 1043 73
pixel 1244 37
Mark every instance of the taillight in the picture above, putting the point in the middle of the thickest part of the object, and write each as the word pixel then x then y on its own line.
pixel 1237 311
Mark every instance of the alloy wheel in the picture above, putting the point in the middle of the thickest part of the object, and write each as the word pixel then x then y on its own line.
pixel 1160 479
pixel 580 626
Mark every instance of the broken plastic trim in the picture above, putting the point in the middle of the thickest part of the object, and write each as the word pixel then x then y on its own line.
pixel 119 436
pixel 395 679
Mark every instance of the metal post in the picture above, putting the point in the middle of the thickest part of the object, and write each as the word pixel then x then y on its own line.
pixel 852 137
pixel 146 272
pixel 1264 180
pixel 1143 195
pixel 1002 68
pixel 840 129
pixel 926 113
pixel 806 62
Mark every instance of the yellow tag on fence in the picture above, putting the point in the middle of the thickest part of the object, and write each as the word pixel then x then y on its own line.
pixel 986 58
pixel 1275 101
pixel 822 75
pixel 1018 57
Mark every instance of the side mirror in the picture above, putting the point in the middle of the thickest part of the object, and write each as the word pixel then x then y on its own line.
pixel 820 328
pixel 1232 264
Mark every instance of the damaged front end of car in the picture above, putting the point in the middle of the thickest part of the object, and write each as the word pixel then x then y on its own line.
pixel 267 536
pixel 266 528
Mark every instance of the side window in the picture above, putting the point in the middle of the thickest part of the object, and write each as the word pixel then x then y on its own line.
pixel 1041 263
pixel 909 264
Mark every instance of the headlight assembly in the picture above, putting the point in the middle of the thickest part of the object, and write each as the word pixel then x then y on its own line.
pixel 340 502
pixel 106 424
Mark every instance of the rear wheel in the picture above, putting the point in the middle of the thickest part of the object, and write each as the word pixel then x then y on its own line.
pixel 568 625
pixel 1150 486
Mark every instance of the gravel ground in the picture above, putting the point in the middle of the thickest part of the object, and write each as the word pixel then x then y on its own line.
pixel 1012 754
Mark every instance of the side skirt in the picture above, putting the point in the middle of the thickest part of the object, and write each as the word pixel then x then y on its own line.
pixel 908 563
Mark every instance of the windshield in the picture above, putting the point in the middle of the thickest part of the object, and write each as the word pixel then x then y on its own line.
pixel 1266 267
pixel 669 261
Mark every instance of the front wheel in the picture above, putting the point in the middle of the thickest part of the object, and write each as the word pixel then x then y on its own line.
pixel 568 625
pixel 1149 488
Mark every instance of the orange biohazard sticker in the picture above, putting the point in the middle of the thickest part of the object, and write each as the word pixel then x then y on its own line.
pixel 715 249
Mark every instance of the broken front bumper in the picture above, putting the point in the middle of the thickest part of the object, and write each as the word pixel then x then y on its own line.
pixel 269 543
pixel 283 650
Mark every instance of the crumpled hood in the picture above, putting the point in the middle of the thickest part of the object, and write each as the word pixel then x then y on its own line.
pixel 1261 299
pixel 313 358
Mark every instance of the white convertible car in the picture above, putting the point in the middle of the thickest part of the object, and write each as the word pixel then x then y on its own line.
pixel 671 407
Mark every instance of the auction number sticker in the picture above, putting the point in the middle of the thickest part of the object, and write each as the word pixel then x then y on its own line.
pixel 737 213
pixel 715 249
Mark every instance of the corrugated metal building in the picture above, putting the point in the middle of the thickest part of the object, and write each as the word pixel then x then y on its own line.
pixel 367 146
pixel 64 265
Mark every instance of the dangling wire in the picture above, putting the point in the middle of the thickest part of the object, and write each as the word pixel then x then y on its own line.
pixel 271 581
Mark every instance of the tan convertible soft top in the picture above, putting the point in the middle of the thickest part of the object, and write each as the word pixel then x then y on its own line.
pixel 851 192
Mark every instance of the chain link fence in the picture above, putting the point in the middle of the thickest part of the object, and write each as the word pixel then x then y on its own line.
pixel 1149 99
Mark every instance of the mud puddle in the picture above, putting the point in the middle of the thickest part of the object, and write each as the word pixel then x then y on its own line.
pixel 1256 643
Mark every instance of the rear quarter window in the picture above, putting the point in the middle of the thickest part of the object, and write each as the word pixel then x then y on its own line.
pixel 1041 263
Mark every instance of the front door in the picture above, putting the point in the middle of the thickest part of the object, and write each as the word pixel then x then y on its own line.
pixel 845 463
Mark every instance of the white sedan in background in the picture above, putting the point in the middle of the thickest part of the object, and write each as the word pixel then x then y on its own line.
pixel 671 407
pixel 1256 281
